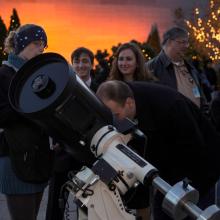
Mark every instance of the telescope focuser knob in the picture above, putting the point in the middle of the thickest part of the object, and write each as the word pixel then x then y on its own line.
pixel 186 182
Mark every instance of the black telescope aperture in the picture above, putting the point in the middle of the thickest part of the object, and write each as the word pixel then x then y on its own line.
pixel 47 91
pixel 25 90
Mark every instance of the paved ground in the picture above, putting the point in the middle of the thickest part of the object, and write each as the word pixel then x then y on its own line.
pixel 4 215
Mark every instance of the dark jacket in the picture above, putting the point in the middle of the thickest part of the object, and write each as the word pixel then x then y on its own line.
pixel 162 67
pixel 94 85
pixel 215 110
pixel 7 115
pixel 25 142
pixel 181 141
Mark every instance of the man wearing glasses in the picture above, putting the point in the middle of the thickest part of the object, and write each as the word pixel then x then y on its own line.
pixel 170 67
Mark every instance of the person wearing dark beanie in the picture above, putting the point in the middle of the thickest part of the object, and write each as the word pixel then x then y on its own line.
pixel 23 197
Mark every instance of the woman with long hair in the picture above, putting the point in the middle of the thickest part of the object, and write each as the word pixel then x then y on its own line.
pixel 129 64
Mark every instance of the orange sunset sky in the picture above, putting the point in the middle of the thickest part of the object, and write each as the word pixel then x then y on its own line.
pixel 94 24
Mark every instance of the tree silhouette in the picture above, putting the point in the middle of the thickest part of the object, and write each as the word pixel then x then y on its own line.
pixel 154 39
pixel 179 17
pixel 101 55
pixel 147 50
pixel 103 66
pixel 14 21
pixel 3 34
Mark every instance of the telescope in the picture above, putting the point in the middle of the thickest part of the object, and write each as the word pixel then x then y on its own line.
pixel 47 91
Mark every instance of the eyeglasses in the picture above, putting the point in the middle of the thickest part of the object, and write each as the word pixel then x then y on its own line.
pixel 40 44
pixel 182 42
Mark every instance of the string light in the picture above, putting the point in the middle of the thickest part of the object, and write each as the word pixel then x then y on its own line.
pixel 206 31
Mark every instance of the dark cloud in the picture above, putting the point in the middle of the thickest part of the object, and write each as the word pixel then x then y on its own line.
pixel 130 2
pixel 171 4
pixel 159 3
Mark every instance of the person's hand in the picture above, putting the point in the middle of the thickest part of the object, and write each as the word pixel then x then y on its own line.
pixel 55 146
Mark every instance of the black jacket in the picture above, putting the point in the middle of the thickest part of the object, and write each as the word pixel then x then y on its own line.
pixel 181 141
pixel 25 142
pixel 162 67
pixel 7 115
pixel 215 110
pixel 94 85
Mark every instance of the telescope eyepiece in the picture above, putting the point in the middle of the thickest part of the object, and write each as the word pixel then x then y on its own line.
pixel 43 86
